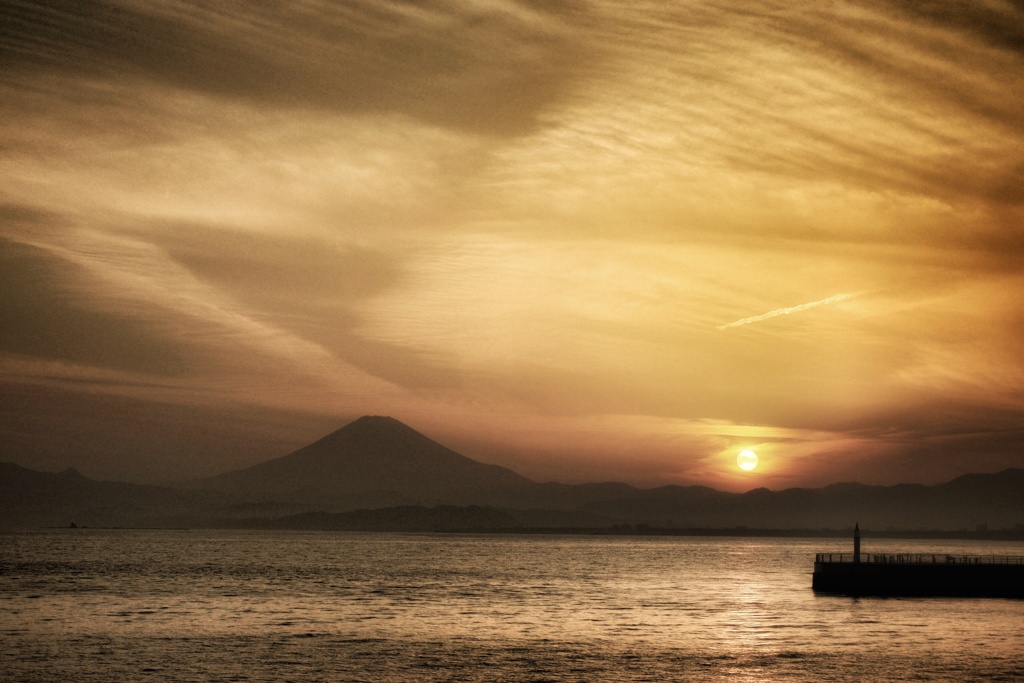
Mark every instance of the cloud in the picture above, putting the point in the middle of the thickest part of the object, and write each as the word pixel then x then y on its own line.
pixel 486 213
pixel 706 114
pixel 312 286
pixel 1000 24
pixel 789 310
pixel 215 341
pixel 42 316
pixel 485 68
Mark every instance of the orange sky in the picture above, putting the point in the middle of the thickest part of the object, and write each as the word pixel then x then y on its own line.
pixel 584 240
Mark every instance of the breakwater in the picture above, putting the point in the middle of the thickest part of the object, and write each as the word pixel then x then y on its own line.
pixel 900 574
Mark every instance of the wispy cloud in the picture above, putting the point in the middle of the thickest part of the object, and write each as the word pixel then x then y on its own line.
pixel 486 212
pixel 790 310
pixel 501 62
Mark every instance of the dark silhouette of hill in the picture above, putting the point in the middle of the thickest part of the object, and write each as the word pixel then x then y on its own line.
pixel 995 500
pixel 401 518
pixel 372 462
pixel 449 518
pixel 377 473
pixel 37 499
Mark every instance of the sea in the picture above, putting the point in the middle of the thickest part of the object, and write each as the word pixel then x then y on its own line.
pixel 189 605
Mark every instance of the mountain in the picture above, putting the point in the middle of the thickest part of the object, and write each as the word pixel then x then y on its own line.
pixel 401 518
pixel 377 473
pixel 971 501
pixel 37 499
pixel 372 462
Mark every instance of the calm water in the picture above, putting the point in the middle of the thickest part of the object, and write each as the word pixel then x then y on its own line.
pixel 269 606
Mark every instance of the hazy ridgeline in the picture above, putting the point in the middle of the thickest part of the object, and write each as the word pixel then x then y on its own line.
pixel 378 474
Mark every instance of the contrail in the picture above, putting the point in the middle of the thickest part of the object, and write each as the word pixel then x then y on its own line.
pixel 792 309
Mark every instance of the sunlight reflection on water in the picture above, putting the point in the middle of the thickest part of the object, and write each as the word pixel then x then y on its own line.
pixel 305 606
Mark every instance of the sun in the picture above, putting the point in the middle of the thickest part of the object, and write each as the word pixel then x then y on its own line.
pixel 747 460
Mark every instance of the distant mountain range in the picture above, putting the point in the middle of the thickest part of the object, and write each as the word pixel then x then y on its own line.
pixel 379 474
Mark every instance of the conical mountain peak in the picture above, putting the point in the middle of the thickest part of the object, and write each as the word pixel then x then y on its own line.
pixel 375 435
pixel 373 458
pixel 378 424
pixel 378 421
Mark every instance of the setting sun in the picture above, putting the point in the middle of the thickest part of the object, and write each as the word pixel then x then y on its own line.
pixel 258 224
pixel 747 460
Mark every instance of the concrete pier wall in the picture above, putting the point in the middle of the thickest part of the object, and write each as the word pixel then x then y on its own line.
pixel 919 579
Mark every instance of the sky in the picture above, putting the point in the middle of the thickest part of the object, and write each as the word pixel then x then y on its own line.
pixel 586 240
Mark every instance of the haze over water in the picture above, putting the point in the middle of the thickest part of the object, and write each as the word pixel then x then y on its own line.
pixel 267 606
